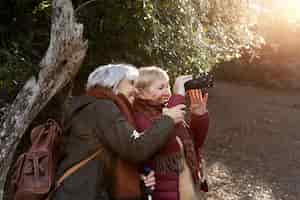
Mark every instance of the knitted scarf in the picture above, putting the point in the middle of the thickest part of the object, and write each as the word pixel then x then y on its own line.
pixel 169 158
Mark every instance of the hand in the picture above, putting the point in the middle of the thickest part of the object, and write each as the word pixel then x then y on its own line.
pixel 176 113
pixel 198 102
pixel 149 180
pixel 178 87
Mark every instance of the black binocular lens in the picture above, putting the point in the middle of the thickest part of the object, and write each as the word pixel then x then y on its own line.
pixel 202 81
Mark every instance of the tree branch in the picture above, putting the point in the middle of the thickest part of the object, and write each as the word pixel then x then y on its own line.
pixel 58 67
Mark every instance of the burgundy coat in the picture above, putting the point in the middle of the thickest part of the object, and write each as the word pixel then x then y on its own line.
pixel 166 187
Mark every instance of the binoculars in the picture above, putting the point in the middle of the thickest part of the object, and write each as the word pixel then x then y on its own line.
pixel 202 81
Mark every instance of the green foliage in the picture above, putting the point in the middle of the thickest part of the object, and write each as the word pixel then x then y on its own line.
pixel 23 40
pixel 182 36
pixel 15 69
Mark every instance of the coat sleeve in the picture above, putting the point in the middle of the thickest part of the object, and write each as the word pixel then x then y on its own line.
pixel 199 128
pixel 198 124
pixel 123 139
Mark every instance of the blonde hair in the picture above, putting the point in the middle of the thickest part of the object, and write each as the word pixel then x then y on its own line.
pixel 148 74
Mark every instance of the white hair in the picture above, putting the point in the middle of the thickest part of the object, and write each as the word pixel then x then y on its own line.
pixel 111 75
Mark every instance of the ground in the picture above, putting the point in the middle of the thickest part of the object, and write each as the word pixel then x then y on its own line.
pixel 253 147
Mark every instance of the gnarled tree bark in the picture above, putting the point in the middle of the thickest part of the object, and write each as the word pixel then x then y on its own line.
pixel 59 66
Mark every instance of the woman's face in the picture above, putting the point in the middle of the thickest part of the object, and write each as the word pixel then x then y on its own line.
pixel 159 91
pixel 128 89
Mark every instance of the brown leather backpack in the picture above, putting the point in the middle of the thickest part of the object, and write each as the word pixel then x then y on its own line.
pixel 35 169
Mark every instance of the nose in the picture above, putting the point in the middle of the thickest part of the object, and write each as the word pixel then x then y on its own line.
pixel 167 92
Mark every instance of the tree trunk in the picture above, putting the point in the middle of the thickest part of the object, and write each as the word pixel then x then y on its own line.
pixel 58 67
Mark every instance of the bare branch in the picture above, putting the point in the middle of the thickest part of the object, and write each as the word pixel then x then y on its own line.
pixel 58 67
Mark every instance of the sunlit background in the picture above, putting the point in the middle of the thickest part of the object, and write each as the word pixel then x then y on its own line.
pixel 288 9
pixel 278 22
pixel 279 18
pixel 285 9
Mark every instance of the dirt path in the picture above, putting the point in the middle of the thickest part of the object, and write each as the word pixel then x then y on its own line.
pixel 253 148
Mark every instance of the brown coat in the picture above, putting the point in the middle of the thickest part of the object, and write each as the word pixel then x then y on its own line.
pixel 93 122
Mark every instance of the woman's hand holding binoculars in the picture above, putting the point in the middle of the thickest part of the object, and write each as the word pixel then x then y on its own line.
pixel 186 85
pixel 178 87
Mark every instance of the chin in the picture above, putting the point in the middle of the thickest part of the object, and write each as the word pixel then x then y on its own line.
pixel 165 100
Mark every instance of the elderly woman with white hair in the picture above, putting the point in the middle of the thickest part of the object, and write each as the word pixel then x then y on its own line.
pixel 103 119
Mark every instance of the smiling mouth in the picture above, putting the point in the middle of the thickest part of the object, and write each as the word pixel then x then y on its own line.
pixel 165 99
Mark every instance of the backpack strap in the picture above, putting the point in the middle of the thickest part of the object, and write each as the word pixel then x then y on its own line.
pixel 76 167
pixel 73 169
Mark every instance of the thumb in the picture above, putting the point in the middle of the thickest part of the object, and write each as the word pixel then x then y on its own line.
pixel 205 98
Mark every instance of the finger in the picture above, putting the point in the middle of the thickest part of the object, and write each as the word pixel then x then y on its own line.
pixel 149 179
pixel 199 95
pixel 183 78
pixel 180 107
pixel 150 176
pixel 194 96
pixel 205 98
pixel 143 177
pixel 150 183
pixel 186 76
pixel 190 96
pixel 151 173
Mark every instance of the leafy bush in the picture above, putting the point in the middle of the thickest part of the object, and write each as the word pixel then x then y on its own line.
pixel 182 36
pixel 24 37
pixel 15 69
